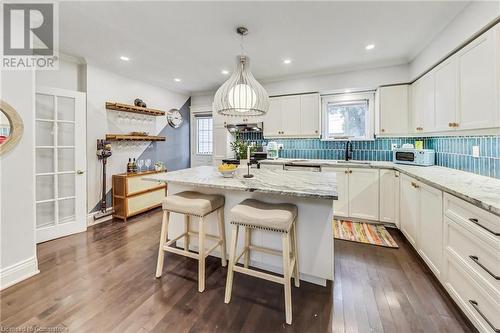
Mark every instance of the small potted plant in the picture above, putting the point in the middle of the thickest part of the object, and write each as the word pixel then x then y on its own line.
pixel 240 147
pixel 159 166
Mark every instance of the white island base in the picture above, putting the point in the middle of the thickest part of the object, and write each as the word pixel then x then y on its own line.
pixel 314 232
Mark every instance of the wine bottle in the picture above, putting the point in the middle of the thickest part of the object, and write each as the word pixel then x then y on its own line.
pixel 129 165
pixel 134 166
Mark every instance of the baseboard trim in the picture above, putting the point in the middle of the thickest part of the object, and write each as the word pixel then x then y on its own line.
pixel 16 273
pixel 91 221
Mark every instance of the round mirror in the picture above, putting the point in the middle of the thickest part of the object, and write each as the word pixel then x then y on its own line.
pixel 11 127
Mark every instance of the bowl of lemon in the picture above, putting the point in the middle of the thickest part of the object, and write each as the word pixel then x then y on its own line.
pixel 227 170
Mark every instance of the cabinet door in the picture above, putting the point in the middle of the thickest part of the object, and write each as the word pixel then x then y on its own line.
pixel 221 137
pixel 309 115
pixel 416 119
pixel 290 115
pixel 430 227
pixel 272 119
pixel 388 202
pixel 341 206
pixel 409 208
pixel 478 85
pixel 393 110
pixel 446 80
pixel 427 90
pixel 364 193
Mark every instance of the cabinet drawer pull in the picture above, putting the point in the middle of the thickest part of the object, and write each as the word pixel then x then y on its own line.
pixel 350 171
pixel 346 172
pixel 476 307
pixel 476 260
pixel 476 222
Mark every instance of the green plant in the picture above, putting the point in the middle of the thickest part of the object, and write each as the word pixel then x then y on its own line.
pixel 239 147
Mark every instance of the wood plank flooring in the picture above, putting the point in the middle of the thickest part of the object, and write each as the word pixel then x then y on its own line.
pixel 103 281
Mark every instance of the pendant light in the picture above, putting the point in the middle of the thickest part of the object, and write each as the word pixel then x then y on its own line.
pixel 241 94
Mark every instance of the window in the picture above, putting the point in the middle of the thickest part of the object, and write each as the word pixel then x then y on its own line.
pixel 348 116
pixel 204 135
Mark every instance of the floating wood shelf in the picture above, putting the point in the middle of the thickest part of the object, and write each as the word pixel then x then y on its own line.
pixel 126 137
pixel 133 109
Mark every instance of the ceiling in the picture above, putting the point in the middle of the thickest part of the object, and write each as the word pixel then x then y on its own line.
pixel 195 41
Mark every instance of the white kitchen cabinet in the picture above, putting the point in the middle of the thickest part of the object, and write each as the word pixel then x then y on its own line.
pixel 272 119
pixel 430 227
pixel 221 139
pixel 358 192
pixel 290 116
pixel 341 206
pixel 364 193
pixel 409 209
pixel 446 95
pixel 309 115
pixel 423 108
pixel 392 110
pixel 389 196
pixel 294 116
pixel 479 75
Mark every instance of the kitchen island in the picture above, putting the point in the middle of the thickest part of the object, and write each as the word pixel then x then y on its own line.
pixel 313 193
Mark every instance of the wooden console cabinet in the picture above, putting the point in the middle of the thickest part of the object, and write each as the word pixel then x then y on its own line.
pixel 132 195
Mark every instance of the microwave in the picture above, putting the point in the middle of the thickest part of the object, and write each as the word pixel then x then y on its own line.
pixel 423 157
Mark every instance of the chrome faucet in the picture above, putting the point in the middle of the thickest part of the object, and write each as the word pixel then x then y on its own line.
pixel 348 149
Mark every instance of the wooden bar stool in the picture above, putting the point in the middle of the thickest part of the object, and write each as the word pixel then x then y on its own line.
pixel 280 218
pixel 199 205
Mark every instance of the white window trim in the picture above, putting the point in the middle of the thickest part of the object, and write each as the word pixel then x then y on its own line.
pixel 195 117
pixel 370 119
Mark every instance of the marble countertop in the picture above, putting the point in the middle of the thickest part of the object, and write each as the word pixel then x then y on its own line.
pixel 294 183
pixel 481 191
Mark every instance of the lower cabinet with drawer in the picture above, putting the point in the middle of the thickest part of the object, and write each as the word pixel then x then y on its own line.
pixel 132 195
pixel 472 261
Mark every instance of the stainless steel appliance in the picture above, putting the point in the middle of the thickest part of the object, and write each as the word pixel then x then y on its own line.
pixel 412 156
pixel 302 167
pixel 245 127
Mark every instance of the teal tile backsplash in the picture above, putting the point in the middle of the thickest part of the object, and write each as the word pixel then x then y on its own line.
pixel 452 152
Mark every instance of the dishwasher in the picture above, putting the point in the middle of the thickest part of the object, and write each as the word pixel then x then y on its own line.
pixel 302 167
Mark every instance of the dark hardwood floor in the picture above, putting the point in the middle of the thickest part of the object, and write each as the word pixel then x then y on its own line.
pixel 103 280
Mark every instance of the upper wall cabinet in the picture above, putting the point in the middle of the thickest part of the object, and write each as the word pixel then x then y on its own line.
pixel 461 93
pixel 392 110
pixel 293 116
pixel 479 76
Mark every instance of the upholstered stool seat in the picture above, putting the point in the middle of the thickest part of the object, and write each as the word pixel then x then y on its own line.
pixel 262 215
pixel 199 205
pixel 193 203
pixel 254 214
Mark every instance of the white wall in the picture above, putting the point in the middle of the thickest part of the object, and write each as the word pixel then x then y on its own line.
pixel 17 212
pixel 70 76
pixel 472 19
pixel 103 86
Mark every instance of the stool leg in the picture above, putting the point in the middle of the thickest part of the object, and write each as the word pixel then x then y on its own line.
pixel 247 244
pixel 201 255
pixel 163 239
pixel 222 233
pixel 296 274
pixel 187 219
pixel 286 277
pixel 232 256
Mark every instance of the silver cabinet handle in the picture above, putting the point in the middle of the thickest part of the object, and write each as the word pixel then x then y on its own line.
pixel 476 222
pixel 475 305
pixel 476 260
pixel 80 172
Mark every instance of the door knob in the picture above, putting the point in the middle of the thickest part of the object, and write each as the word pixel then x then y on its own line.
pixel 80 172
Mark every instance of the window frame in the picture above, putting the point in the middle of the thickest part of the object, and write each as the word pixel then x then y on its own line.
pixel 197 117
pixel 368 96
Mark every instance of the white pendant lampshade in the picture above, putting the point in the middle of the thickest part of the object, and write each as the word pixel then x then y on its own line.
pixel 241 94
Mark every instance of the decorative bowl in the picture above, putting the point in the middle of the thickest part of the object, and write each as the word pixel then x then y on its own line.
pixel 228 173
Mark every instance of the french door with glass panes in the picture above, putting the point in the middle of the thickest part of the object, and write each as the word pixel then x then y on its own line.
pixel 60 163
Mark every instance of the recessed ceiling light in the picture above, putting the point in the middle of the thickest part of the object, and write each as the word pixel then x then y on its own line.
pixel 287 61
pixel 225 72
pixel 124 58
pixel 370 47
pixel 177 80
